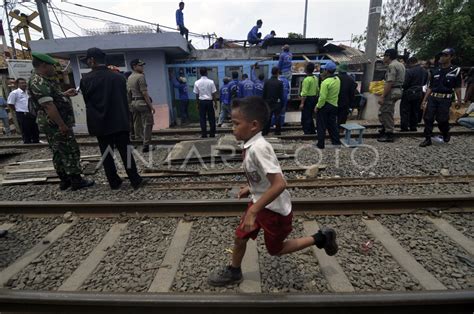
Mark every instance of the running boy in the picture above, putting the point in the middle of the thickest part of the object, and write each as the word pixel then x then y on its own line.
pixel 270 207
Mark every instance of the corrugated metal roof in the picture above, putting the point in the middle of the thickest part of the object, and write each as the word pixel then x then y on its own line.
pixel 345 54
pixel 278 41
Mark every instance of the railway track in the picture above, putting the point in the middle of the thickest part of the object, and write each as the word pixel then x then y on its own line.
pixel 73 264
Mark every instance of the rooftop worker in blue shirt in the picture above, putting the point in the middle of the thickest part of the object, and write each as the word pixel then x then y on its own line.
pixel 234 87
pixel 247 87
pixel 252 36
pixel 225 102
pixel 219 44
pixel 269 36
pixel 182 86
pixel 180 21
pixel 284 62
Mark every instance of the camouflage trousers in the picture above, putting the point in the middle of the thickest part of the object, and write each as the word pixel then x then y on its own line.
pixel 387 110
pixel 66 153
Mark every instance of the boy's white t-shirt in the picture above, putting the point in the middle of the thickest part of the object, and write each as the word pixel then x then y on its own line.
pixel 259 160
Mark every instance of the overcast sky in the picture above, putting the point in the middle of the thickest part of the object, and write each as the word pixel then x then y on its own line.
pixel 337 19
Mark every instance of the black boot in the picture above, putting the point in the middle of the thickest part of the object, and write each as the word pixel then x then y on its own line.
pixel 77 182
pixel 387 138
pixel 426 142
pixel 65 182
pixel 381 132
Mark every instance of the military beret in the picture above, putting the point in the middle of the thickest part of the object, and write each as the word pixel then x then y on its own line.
pixel 44 57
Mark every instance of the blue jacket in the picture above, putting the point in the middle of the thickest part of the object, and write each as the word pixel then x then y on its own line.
pixel 284 63
pixel 247 88
pixel 182 89
pixel 179 17
pixel 252 35
pixel 3 106
pixel 225 95
pixel 286 88
pixel 234 90
pixel 258 85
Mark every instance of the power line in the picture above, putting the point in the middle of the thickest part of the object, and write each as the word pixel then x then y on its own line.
pixel 58 20
pixel 137 20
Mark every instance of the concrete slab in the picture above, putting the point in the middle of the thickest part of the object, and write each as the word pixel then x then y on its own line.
pixel 403 258
pixel 33 253
pixel 169 266
pixel 192 149
pixel 251 269
pixel 330 267
pixel 75 281
pixel 452 233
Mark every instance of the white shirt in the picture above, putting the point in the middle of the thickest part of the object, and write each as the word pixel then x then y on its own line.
pixel 19 99
pixel 204 87
pixel 260 160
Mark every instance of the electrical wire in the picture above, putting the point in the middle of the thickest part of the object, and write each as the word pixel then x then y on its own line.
pixel 58 21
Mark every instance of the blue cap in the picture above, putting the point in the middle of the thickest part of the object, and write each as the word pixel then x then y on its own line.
pixel 329 66
pixel 448 51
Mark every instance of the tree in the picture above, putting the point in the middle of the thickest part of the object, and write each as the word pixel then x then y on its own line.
pixel 398 17
pixel 445 23
pixel 295 36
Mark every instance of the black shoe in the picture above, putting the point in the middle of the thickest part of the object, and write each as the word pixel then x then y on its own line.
pixel 203 136
pixel 413 129
pixel 320 146
pixel 219 125
pixel 386 138
pixel 77 183
pixel 140 184
pixel 381 132
pixel 225 276
pixel 446 138
pixel 3 233
pixel 64 184
pixel 213 135
pixel 116 186
pixel 277 133
pixel 426 142
pixel 330 245
pixel 404 130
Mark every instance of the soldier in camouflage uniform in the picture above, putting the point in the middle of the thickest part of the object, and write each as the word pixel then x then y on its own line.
pixel 55 117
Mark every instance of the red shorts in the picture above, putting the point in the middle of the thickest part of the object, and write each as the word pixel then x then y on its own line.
pixel 276 228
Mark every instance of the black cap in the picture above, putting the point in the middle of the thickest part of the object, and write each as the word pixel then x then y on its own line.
pixel 392 53
pixel 93 53
pixel 448 51
pixel 135 62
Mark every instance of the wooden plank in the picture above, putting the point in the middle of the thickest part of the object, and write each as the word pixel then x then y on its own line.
pixel 9 170
pixel 251 270
pixel 404 259
pixel 33 253
pixel 454 234
pixel 75 281
pixel 329 266
pixel 169 266
pixel 6 226
pixel 23 181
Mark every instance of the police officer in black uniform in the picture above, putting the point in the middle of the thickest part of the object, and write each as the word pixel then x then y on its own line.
pixel 445 80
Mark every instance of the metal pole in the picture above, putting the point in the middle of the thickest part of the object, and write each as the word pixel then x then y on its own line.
pixel 44 16
pixel 305 18
pixel 375 11
pixel 12 41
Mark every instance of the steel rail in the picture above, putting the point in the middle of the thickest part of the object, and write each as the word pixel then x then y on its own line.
pixel 226 207
pixel 454 301
pixel 172 141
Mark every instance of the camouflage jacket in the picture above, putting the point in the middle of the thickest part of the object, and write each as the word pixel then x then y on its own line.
pixel 43 90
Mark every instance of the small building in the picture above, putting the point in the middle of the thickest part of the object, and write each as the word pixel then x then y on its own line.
pixel 153 48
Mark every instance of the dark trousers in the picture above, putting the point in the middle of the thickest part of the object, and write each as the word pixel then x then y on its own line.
pixel 326 119
pixel 29 128
pixel 409 110
pixel 275 111
pixel 121 142
pixel 206 109
pixel 183 31
pixel 183 109
pixel 307 121
pixel 437 109
pixel 342 114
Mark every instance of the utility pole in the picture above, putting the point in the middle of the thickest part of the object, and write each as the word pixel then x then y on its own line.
pixel 44 16
pixel 305 18
pixel 12 41
pixel 375 11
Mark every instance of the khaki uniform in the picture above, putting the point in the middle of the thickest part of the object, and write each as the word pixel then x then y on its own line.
pixel 396 75
pixel 141 113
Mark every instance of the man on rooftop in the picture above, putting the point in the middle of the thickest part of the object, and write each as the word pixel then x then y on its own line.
pixel 252 36
pixel 180 21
